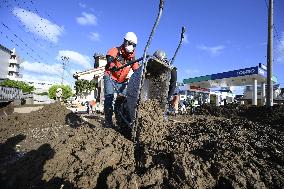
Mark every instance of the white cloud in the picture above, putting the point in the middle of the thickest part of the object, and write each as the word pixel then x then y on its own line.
pixel 38 25
pixel 215 50
pixel 280 50
pixel 40 72
pixel 82 5
pixel 41 68
pixel 87 19
pixel 75 57
pixel 41 78
pixel 185 39
pixel 95 36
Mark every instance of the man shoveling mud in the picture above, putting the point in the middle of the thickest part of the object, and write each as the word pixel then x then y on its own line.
pixel 116 81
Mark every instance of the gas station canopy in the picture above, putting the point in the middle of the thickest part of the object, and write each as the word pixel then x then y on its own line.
pixel 240 77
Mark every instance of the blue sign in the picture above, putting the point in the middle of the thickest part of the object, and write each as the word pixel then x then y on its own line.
pixel 236 73
pixel 261 72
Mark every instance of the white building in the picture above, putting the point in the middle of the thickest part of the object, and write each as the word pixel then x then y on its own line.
pixel 207 95
pixel 222 96
pixel 40 86
pixel 95 74
pixel 260 92
pixel 251 76
pixel 9 64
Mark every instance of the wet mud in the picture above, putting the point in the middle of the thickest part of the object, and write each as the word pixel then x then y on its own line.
pixel 232 147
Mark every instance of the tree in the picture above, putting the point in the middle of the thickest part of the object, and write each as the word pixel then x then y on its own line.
pixel 79 86
pixel 42 94
pixel 26 88
pixel 66 91
pixel 82 86
pixel 92 85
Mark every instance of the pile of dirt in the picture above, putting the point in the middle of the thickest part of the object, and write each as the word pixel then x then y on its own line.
pixel 268 115
pixel 231 110
pixel 55 148
pixel 44 124
pixel 226 153
pixel 211 152
pixel 6 108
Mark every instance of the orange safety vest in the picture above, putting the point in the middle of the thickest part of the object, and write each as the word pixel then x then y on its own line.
pixel 119 58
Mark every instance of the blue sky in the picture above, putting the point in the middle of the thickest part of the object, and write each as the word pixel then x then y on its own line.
pixel 222 35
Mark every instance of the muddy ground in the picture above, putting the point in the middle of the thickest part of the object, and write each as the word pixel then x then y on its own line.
pixel 232 147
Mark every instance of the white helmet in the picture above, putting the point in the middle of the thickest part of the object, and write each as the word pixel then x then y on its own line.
pixel 130 36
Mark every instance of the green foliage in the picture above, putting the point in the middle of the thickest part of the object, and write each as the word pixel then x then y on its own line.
pixel 26 88
pixel 52 91
pixel 82 85
pixel 66 91
pixel 43 93
pixel 92 85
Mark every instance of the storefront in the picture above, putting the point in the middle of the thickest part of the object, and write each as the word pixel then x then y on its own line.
pixel 253 76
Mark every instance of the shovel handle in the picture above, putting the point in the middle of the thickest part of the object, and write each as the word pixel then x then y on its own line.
pixel 161 4
pixel 182 32
pixel 130 63
pixel 180 42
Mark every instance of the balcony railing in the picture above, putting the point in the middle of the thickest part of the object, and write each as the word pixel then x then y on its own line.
pixel 14 76
pixel 13 69
pixel 13 61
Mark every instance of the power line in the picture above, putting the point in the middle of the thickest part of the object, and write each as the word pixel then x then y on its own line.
pixel 21 40
pixel 39 29
pixel 28 35
pixel 31 56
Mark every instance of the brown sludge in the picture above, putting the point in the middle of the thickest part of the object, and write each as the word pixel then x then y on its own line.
pixel 233 147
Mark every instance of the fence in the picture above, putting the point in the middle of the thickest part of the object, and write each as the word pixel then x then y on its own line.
pixel 10 94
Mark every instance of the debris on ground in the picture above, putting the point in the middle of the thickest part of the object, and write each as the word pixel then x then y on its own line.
pixel 219 147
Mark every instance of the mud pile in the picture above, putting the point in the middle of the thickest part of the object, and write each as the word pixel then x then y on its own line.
pixel 6 108
pixel 55 148
pixel 227 153
pixel 214 152
pixel 268 115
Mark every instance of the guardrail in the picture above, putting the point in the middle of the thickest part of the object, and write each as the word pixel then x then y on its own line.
pixel 10 94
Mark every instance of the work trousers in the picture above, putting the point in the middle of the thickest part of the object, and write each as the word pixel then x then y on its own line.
pixel 111 87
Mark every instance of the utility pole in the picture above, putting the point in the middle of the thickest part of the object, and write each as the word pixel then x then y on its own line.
pixel 269 93
pixel 64 60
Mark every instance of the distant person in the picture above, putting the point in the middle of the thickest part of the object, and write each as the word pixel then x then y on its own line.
pixel 192 105
pixel 225 102
pixel 87 105
pixel 58 94
pixel 175 101
pixel 183 105
pixel 116 80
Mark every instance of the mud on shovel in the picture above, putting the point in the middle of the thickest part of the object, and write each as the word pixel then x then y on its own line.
pixel 135 135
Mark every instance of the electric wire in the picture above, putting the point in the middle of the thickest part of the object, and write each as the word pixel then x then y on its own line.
pixel 68 75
